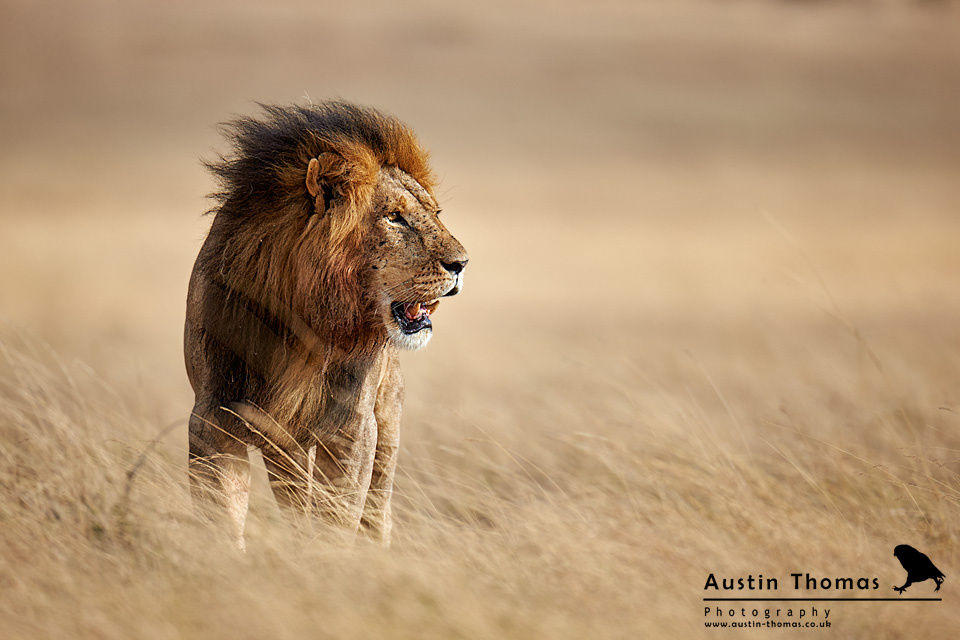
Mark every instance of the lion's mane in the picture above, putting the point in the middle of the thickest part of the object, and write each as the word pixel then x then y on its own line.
pixel 283 295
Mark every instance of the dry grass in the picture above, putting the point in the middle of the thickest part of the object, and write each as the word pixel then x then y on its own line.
pixel 714 328
pixel 524 511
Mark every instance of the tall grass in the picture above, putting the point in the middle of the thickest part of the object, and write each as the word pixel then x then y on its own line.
pixel 597 516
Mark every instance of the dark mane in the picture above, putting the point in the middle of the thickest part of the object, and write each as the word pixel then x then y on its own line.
pixel 267 153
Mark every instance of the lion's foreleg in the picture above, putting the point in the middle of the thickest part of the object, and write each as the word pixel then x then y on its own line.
pixel 290 474
pixel 219 468
pixel 377 520
pixel 344 467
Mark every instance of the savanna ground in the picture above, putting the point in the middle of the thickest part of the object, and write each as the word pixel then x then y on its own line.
pixel 711 321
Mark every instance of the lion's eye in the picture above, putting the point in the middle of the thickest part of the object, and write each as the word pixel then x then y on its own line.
pixel 397 218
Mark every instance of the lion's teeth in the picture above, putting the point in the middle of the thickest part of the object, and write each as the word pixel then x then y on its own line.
pixel 413 311
pixel 432 306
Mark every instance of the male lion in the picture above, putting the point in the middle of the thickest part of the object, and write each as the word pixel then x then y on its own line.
pixel 326 255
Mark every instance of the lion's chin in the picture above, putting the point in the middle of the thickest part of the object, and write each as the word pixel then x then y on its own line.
pixel 409 341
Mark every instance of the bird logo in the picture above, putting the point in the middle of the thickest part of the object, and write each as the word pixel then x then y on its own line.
pixel 918 567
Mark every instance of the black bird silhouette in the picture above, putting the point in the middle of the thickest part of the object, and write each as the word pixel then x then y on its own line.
pixel 918 566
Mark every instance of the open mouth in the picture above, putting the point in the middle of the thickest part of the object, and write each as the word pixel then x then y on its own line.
pixel 413 317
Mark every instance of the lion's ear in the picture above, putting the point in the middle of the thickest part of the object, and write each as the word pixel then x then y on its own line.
pixel 323 172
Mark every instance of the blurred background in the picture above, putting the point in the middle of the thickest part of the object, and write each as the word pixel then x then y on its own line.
pixel 689 222
pixel 643 149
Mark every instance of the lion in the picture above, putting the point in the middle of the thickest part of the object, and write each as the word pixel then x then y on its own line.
pixel 326 257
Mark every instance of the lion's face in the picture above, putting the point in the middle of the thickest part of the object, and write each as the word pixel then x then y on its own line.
pixel 413 260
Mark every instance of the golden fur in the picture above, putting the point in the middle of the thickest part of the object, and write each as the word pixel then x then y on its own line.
pixel 326 218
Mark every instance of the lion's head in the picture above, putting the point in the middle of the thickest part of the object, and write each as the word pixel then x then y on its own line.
pixel 413 260
pixel 327 219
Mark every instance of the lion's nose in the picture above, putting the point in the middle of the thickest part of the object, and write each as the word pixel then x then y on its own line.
pixel 454 267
